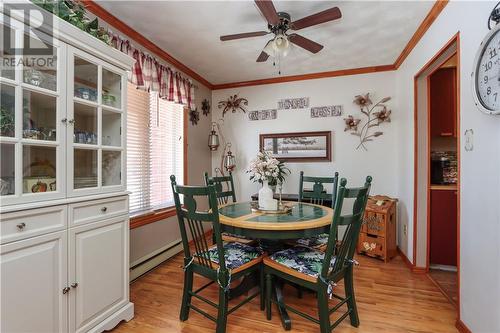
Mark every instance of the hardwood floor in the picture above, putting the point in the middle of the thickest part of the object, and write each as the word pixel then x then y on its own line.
pixel 390 299
pixel 447 281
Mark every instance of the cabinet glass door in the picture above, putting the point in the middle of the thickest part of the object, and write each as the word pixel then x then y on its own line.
pixel 32 105
pixel 8 52
pixel 95 119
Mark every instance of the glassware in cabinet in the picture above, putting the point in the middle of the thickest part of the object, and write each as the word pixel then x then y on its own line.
pixel 7 110
pixel 40 69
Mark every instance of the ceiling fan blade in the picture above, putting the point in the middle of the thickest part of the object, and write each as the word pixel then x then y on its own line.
pixel 318 18
pixel 244 35
pixel 262 57
pixel 305 43
pixel 267 9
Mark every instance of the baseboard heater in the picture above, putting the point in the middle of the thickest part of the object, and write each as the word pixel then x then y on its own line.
pixel 143 265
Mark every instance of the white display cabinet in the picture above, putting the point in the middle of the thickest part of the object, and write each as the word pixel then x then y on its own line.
pixel 95 118
pixel 64 211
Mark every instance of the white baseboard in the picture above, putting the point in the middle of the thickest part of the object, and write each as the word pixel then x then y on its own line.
pixel 150 261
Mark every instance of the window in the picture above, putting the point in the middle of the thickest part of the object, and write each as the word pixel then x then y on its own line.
pixel 155 150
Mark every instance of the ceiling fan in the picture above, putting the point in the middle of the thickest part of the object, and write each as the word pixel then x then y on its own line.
pixel 279 23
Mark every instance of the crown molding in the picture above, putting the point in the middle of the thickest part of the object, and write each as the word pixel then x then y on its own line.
pixel 112 20
pixel 421 30
pixel 429 19
pixel 311 76
pixel 434 12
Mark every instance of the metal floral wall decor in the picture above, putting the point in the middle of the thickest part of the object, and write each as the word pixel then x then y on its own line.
pixel 194 116
pixel 233 104
pixel 376 114
pixel 205 107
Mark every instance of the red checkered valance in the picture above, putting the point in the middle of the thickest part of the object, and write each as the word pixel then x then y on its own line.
pixel 150 75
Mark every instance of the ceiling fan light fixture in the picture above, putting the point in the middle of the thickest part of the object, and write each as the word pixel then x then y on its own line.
pixel 269 48
pixel 281 44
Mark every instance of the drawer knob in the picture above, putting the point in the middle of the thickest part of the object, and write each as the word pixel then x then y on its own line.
pixel 104 209
pixel 21 226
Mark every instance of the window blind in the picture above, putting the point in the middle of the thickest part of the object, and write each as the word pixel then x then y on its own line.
pixel 155 142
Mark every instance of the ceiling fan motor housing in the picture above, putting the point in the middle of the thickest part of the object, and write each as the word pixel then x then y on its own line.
pixel 284 24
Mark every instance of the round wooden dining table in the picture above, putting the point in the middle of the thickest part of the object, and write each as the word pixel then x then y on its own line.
pixel 270 230
pixel 304 220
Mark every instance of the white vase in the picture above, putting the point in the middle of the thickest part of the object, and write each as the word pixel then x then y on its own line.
pixel 266 200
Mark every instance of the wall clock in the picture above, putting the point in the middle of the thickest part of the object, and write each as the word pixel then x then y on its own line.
pixel 486 74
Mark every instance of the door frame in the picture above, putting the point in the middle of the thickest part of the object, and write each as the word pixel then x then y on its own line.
pixel 454 39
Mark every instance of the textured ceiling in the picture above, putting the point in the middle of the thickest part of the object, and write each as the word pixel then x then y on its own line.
pixel 369 33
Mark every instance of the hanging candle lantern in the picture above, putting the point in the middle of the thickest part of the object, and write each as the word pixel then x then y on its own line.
pixel 229 159
pixel 213 138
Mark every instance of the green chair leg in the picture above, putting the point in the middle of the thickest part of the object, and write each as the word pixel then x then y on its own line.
pixel 186 298
pixel 222 313
pixel 269 294
pixel 262 289
pixel 323 309
pixel 351 302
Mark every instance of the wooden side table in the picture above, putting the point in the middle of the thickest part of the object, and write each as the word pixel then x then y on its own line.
pixel 378 232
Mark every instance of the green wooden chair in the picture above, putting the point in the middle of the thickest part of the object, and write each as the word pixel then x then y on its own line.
pixel 320 271
pixel 224 188
pixel 318 196
pixel 219 263
pixel 225 193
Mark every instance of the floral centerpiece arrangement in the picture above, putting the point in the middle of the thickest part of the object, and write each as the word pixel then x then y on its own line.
pixel 267 168
pixel 268 171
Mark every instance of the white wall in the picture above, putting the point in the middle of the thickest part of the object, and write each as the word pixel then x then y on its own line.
pixel 480 190
pixel 379 161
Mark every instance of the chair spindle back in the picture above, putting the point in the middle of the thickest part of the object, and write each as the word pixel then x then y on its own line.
pixel 223 194
pixel 319 194
pixel 352 222
pixel 191 221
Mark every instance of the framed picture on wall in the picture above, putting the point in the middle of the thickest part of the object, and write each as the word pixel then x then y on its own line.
pixel 298 147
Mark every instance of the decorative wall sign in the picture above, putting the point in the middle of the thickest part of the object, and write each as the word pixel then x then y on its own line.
pixel 233 104
pixel 205 107
pixel 374 119
pixel 293 103
pixel 298 147
pixel 194 116
pixel 326 111
pixel 263 114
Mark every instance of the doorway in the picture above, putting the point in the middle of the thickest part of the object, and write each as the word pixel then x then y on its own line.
pixel 437 170
pixel 442 204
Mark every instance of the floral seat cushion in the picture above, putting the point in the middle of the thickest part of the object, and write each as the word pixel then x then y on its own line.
pixel 318 242
pixel 302 259
pixel 235 254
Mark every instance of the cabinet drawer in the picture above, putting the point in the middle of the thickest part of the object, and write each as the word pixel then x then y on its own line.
pixel 374 224
pixel 91 211
pixel 371 245
pixel 33 222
